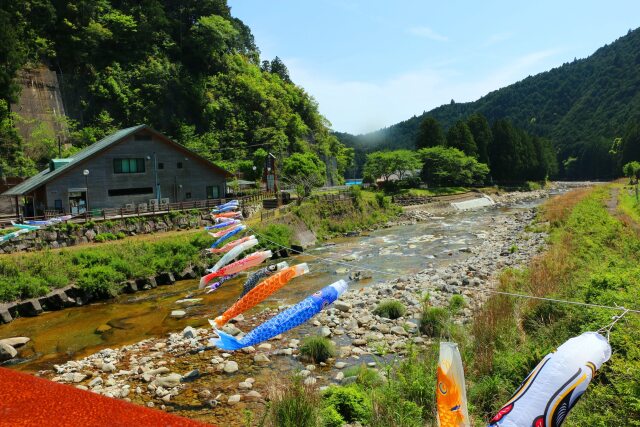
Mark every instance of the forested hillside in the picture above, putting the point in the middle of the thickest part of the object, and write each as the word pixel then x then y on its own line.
pixel 581 106
pixel 187 68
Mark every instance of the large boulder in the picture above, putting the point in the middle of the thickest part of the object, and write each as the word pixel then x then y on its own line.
pixel 15 341
pixel 7 352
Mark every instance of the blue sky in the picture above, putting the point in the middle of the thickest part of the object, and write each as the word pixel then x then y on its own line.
pixel 370 64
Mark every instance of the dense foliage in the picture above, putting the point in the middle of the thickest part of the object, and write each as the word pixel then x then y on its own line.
pixel 581 107
pixel 187 68
pixel 443 166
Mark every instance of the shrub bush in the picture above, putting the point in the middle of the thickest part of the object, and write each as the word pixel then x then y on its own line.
pixel 456 303
pixel 365 377
pixel 317 349
pixel 102 280
pixel 391 309
pixel 390 409
pixel 351 403
pixel 434 321
pixel 331 417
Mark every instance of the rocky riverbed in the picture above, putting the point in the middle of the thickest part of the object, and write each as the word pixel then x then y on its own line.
pixel 181 373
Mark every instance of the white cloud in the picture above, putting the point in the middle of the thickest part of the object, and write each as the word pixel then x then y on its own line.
pixel 362 106
pixel 497 38
pixel 427 33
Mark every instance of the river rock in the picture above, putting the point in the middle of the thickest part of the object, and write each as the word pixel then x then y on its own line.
pixel 261 358
pixel 231 329
pixel 342 270
pixel 169 381
pixel 339 376
pixel 230 367
pixel 191 375
pixel 95 382
pixel 265 346
pixel 178 313
pixel 342 306
pixel 7 352
pixel 16 342
pixel 253 396
pixel 235 399
pixel 340 365
pixel 189 332
pixel 102 328
pixel 325 332
pixel 108 367
pixel 245 385
pixel 399 330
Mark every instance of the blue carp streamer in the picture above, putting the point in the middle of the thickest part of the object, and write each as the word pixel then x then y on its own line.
pixel 284 321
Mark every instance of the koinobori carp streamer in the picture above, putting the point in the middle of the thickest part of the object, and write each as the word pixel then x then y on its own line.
pixel 451 395
pixel 228 234
pixel 249 261
pixel 283 321
pixel 263 290
pixel 233 254
pixel 230 245
pixel 223 224
pixel 547 395
pixel 263 273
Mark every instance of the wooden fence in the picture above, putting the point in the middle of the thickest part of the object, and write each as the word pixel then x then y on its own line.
pixel 147 210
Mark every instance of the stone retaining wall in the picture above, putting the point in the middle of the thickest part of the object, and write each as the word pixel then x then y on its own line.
pixel 73 296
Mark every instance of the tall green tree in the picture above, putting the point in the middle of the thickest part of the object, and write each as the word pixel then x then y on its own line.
pixel 429 134
pixel 450 166
pixel 459 136
pixel 384 164
pixel 482 136
pixel 304 170
pixel 631 142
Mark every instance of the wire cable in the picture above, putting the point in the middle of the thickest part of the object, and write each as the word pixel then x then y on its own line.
pixel 493 291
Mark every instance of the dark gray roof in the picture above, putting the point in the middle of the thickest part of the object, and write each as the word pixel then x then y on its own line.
pixel 47 174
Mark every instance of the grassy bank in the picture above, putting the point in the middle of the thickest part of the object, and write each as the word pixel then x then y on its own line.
pixel 592 257
pixel 98 268
pixel 328 218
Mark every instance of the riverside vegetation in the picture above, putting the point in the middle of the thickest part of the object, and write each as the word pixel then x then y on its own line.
pixel 101 269
pixel 592 257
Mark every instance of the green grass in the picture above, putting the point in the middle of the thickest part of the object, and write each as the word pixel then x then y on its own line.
pixel 390 309
pixel 434 321
pixel 293 404
pixel 593 258
pixel 331 218
pixel 97 268
pixel 317 349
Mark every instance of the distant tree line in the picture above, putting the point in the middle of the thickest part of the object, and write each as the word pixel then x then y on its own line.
pixel 581 106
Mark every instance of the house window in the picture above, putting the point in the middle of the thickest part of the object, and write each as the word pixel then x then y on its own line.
pixel 187 195
pixel 130 191
pixel 57 204
pixel 179 165
pixel 128 165
pixel 160 165
pixel 213 192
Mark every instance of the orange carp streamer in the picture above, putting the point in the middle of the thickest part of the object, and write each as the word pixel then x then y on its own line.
pixel 262 291
pixel 450 391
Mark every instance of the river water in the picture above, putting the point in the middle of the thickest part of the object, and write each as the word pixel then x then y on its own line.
pixel 392 252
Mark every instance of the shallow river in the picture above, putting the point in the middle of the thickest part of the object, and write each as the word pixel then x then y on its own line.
pixel 392 252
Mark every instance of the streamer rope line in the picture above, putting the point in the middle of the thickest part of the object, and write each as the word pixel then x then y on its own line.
pixel 616 319
pixel 394 275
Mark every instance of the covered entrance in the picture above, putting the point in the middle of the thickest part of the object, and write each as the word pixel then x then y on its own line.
pixel 77 200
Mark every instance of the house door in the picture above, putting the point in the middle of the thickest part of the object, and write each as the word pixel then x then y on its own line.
pixel 77 202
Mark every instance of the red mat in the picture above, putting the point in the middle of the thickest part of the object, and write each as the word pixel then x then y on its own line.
pixel 26 400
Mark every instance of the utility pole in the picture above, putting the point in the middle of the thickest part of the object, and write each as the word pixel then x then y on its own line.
pixel 155 172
